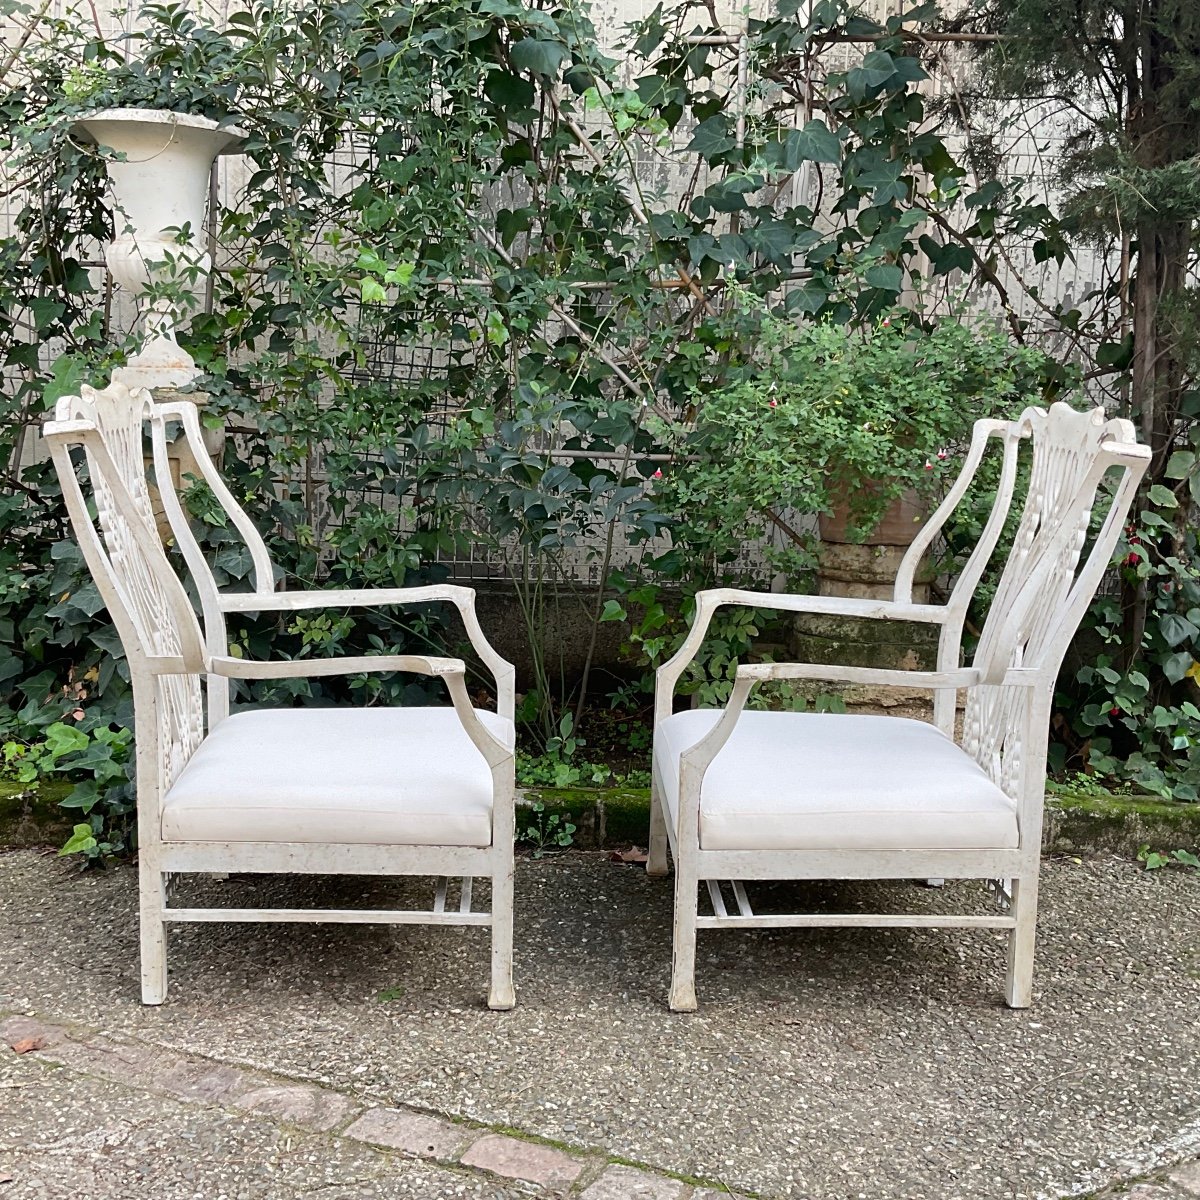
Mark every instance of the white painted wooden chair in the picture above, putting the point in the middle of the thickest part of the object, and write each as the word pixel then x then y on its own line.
pixel 361 791
pixel 760 795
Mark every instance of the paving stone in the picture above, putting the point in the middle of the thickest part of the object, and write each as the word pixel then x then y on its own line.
pixel 1188 1177
pixel 298 1104
pixel 16 1029
pixel 529 1161
pixel 414 1133
pixel 628 1183
pixel 153 1067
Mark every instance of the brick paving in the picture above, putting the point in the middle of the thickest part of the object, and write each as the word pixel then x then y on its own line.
pixel 414 1134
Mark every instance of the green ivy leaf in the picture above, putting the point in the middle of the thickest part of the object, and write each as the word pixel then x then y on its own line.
pixel 1181 464
pixel 534 54
pixel 1163 497
pixel 1177 666
pixel 81 841
pixel 814 143
pixel 613 611
pixel 1176 629
pixel 372 291
pixel 509 92
pixel 712 138
pixel 885 275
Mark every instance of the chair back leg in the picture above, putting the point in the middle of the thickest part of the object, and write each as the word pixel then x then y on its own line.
pixel 1018 984
pixel 152 901
pixel 656 854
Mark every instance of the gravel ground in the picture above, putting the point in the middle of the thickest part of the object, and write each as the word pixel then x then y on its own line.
pixel 823 1063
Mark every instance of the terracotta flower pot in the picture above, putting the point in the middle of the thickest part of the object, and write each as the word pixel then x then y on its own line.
pixel 898 526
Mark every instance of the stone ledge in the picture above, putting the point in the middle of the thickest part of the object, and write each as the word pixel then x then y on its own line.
pixel 1074 824
pixel 611 817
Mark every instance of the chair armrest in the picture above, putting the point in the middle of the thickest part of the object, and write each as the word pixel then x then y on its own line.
pixel 333 598
pixel 835 606
pixel 707 603
pixel 879 676
pixel 452 670
pixel 463 598
pixel 312 668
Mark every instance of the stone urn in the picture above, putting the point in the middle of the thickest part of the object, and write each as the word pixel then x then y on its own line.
pixel 158 165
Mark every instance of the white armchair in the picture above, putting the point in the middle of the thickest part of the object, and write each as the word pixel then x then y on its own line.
pixel 390 791
pixel 756 795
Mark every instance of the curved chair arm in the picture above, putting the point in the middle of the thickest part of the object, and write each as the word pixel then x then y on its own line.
pixel 932 680
pixel 707 603
pixel 452 670
pixel 463 599
pixel 697 758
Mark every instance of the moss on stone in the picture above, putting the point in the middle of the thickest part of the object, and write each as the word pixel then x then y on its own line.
pixel 32 816
pixel 1075 822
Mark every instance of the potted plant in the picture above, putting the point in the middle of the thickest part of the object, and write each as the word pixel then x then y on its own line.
pixel 859 427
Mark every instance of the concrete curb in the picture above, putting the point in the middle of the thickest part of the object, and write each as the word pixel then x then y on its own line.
pixel 1075 823
pixel 606 818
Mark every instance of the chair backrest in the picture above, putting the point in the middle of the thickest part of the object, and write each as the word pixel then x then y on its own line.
pixel 187 415
pixel 1047 582
pixel 148 604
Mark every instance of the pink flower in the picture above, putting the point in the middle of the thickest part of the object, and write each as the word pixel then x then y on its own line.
pixel 943 455
pixel 886 321
pixel 928 465
pixel 658 473
pixel 772 404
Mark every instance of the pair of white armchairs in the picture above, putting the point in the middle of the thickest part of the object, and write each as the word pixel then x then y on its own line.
pixel 737 795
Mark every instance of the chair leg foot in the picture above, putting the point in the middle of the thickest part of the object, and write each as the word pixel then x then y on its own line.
pixel 152 899
pixel 1018 983
pixel 656 854
pixel 683 997
pixel 502 998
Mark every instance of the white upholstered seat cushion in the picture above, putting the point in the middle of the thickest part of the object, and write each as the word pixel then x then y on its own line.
pixel 367 776
pixel 822 781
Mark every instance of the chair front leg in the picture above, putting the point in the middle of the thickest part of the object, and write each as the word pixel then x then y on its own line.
pixel 656 854
pixel 683 957
pixel 152 901
pixel 501 995
pixel 1018 986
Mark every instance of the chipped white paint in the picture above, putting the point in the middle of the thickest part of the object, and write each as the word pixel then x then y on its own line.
pixel 168 657
pixel 1040 599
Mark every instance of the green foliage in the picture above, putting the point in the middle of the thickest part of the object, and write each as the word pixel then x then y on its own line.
pixel 561 767
pixel 547 831
pixel 1155 860
pixel 470 343
pixel 829 411
pixel 1119 76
